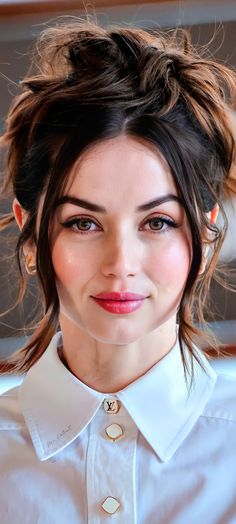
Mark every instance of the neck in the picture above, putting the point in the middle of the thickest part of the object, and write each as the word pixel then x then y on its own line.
pixel 109 368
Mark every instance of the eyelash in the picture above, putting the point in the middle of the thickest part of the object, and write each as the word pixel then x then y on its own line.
pixel 73 221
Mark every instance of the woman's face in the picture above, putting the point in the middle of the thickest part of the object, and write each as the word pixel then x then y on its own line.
pixel 120 248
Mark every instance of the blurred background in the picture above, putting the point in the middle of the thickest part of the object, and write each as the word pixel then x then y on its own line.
pixel 210 22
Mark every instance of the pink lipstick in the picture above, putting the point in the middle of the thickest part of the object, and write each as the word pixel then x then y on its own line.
pixel 119 303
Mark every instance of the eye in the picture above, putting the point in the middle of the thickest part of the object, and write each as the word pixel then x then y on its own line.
pixel 80 225
pixel 85 225
pixel 160 224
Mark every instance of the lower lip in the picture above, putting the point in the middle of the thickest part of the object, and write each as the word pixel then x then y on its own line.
pixel 119 307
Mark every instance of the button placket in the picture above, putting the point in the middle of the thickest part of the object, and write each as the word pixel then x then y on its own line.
pixel 110 482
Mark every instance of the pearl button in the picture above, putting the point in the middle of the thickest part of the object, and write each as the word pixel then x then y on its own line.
pixel 111 405
pixel 110 505
pixel 114 432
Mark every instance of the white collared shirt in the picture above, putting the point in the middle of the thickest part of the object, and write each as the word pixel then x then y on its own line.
pixel 150 454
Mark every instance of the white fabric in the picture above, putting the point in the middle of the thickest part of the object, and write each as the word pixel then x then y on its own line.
pixel 174 464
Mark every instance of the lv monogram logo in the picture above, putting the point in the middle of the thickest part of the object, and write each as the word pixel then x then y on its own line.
pixel 111 406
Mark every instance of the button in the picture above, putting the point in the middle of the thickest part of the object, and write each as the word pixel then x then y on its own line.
pixel 110 505
pixel 114 432
pixel 111 406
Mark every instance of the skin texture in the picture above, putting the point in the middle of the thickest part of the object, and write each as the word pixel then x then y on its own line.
pixel 119 251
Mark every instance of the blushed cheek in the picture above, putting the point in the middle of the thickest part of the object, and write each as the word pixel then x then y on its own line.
pixel 172 267
pixel 69 266
pixel 63 263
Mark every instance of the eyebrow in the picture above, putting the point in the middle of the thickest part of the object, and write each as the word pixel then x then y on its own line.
pixel 69 199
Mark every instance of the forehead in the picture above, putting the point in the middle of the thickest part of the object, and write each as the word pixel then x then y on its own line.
pixel 121 168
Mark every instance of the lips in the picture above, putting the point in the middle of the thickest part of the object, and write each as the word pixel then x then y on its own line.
pixel 119 307
pixel 124 296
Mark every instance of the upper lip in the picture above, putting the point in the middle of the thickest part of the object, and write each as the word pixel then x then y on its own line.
pixel 125 295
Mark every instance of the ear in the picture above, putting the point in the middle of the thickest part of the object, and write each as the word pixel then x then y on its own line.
pixel 29 250
pixel 212 216
pixel 20 213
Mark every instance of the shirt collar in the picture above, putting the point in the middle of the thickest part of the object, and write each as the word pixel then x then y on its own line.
pixel 57 406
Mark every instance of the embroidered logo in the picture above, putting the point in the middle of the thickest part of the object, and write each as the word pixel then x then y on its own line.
pixel 61 434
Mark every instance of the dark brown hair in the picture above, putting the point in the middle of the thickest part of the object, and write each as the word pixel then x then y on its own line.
pixel 88 84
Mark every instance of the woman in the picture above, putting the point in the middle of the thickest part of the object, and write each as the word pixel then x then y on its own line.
pixel 119 153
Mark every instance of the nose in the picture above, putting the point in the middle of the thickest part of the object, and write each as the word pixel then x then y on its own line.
pixel 121 257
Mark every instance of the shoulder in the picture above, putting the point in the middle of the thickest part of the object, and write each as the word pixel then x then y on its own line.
pixel 7 382
pixel 222 402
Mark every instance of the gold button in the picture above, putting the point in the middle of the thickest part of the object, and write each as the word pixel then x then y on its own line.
pixel 114 432
pixel 110 505
pixel 111 406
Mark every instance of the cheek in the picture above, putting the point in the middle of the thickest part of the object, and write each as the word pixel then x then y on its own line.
pixel 67 263
pixel 171 265
pixel 167 265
